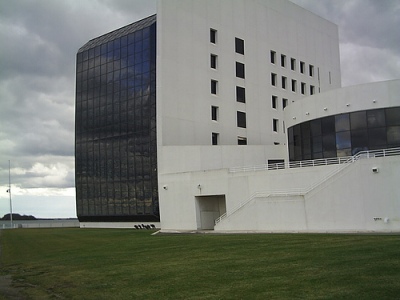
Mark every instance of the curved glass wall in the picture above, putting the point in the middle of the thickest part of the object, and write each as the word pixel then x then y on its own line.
pixel 115 147
pixel 345 134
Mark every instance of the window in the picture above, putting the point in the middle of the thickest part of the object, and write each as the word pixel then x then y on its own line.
pixel 241 119
pixel 240 94
pixel 274 101
pixel 214 87
pixel 213 61
pixel 275 123
pixel 303 88
pixel 214 113
pixel 213 36
pixel 242 140
pixel 273 79
pixel 294 85
pixel 239 46
pixel 273 57
pixel 293 64
pixel 284 80
pixel 302 65
pixel 239 70
pixel 312 90
pixel 284 103
pixel 283 60
pixel 214 138
pixel 311 70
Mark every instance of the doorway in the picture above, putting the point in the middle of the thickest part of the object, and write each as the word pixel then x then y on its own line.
pixel 208 209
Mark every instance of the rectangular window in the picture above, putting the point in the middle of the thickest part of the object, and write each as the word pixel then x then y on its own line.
pixel 214 138
pixel 312 90
pixel 303 88
pixel 302 66
pixel 242 140
pixel 311 70
pixel 293 64
pixel 273 79
pixel 284 103
pixel 214 113
pixel 274 101
pixel 214 87
pixel 283 60
pixel 284 81
pixel 294 85
pixel 240 94
pixel 213 61
pixel 275 123
pixel 241 119
pixel 273 57
pixel 213 36
pixel 239 70
pixel 239 46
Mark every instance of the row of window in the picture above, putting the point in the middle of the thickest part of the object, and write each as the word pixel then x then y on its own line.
pixel 215 139
pixel 294 85
pixel 239 43
pixel 293 64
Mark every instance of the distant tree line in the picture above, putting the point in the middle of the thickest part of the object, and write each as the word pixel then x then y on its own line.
pixel 17 217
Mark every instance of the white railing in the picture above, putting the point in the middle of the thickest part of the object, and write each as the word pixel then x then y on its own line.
pixel 318 162
pixel 343 161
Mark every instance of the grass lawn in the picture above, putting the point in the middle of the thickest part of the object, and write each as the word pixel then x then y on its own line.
pixel 128 264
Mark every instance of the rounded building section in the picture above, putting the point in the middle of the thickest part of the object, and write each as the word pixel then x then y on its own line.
pixel 345 121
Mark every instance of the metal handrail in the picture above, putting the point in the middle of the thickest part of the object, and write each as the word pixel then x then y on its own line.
pixel 316 162
pixel 344 161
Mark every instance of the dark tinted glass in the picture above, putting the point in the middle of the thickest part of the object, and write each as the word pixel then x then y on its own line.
pixel 241 119
pixel 239 46
pixel 376 118
pixel 328 125
pixel 343 140
pixel 393 136
pixel 392 116
pixel 240 94
pixel 240 70
pixel 358 120
pixel 342 122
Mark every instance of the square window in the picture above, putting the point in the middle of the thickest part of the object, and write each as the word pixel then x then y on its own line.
pixel 273 79
pixel 303 88
pixel 241 119
pixel 213 61
pixel 242 140
pixel 284 81
pixel 240 94
pixel 273 57
pixel 214 87
pixel 274 101
pixel 275 123
pixel 311 70
pixel 284 103
pixel 239 46
pixel 213 36
pixel 302 66
pixel 214 113
pixel 283 60
pixel 214 138
pixel 240 70
pixel 293 64
pixel 294 85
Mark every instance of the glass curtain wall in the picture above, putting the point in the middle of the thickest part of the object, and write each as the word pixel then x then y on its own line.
pixel 116 147
pixel 345 134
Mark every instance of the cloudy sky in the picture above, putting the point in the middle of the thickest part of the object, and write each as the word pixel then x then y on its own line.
pixel 39 41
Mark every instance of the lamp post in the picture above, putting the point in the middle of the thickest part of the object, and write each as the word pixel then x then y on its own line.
pixel 9 192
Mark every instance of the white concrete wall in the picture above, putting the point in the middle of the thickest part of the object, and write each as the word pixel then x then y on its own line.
pixel 348 99
pixel 347 202
pixel 183 66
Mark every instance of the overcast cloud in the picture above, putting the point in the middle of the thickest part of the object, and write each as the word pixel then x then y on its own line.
pixel 39 43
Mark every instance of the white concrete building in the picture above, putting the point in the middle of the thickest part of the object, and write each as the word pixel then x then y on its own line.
pixel 241 91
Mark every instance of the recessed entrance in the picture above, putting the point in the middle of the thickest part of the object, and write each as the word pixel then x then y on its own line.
pixel 208 209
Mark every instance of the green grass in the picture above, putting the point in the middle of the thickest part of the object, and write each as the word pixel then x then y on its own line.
pixel 129 264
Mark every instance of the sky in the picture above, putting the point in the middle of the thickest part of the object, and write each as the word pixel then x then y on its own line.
pixel 40 39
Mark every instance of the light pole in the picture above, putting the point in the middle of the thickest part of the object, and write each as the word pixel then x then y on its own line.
pixel 9 191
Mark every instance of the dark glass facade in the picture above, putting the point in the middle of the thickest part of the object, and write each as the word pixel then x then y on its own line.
pixel 345 134
pixel 115 131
